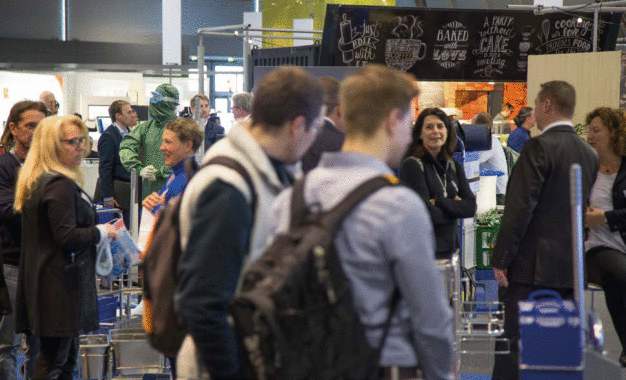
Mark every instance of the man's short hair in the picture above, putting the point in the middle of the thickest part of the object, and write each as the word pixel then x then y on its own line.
pixel 331 93
pixel 243 100
pixel 509 106
pixel 116 107
pixel 523 114
pixel 283 95
pixel 196 97
pixel 186 130
pixel 368 96
pixel 561 94
pixel 483 118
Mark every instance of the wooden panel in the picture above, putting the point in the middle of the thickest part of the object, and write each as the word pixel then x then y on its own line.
pixel 595 76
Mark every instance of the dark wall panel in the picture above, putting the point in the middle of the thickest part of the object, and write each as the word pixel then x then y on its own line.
pixel 204 13
pixel 125 21
pixel 30 19
pixel 104 25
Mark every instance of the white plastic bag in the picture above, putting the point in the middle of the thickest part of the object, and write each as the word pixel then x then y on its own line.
pixel 145 228
pixel 104 258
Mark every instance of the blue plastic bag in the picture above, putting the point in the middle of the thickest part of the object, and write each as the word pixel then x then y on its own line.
pixel 124 251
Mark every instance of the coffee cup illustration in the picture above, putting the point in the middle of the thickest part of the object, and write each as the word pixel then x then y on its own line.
pixel 403 53
pixel 524 46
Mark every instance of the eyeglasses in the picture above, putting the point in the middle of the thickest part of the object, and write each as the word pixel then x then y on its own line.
pixel 76 142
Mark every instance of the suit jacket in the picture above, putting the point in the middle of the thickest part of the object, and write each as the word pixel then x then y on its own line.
pixel 330 139
pixel 213 131
pixel 110 167
pixel 535 239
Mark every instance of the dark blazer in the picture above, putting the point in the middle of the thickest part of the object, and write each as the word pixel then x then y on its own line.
pixel 421 176
pixel 56 293
pixel 535 239
pixel 10 222
pixel 110 167
pixel 616 218
pixel 329 139
pixel 213 131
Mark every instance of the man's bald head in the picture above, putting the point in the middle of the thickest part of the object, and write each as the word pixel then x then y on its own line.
pixel 47 98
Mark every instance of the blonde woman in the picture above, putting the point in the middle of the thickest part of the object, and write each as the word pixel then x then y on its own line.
pixel 56 297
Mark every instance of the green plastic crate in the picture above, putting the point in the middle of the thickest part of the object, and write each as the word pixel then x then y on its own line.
pixel 485 242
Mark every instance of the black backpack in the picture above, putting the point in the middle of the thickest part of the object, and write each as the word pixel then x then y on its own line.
pixel 294 313
pixel 160 269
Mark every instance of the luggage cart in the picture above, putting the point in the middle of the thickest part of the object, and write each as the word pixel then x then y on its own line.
pixel 119 349
pixel 132 355
pixel 478 326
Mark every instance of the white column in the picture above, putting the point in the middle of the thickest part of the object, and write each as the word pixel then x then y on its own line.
pixel 172 39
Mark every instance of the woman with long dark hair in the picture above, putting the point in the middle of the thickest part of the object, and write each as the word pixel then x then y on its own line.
pixel 439 180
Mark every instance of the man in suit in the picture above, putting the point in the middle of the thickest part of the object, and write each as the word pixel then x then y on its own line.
pixel 209 122
pixel 114 179
pixel 534 246
pixel 241 105
pixel 330 137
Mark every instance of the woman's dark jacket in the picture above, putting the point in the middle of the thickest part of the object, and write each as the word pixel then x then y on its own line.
pixel 11 227
pixel 616 218
pixel 10 223
pixel 420 174
pixel 56 295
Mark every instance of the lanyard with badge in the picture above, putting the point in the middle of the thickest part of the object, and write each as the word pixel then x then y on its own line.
pixel 444 182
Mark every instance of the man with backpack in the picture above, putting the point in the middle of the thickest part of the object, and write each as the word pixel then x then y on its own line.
pixel 386 244
pixel 225 214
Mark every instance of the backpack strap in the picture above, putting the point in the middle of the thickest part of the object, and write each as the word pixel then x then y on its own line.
pixel 418 161
pixel 335 216
pixel 299 209
pixel 242 171
pixel 393 305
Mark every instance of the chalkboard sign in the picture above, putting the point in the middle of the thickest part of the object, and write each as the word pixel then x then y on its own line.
pixel 446 44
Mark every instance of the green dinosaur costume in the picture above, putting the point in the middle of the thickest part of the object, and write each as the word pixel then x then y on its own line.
pixel 140 147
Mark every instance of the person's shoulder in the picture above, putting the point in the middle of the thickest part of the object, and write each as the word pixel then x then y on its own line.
pixel 8 167
pixel 55 184
pixel 7 160
pixel 141 126
pixel 412 162
pixel 398 201
pixel 208 174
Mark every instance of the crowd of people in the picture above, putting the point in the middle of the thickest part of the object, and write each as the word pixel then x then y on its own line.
pixel 344 134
